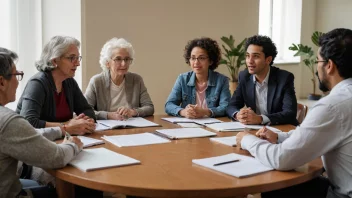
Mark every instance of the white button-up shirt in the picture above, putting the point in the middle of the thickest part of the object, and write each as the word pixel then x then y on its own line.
pixel 326 132
pixel 261 97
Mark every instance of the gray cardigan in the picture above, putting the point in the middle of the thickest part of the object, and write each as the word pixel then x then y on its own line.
pixel 98 94
pixel 20 141
pixel 37 103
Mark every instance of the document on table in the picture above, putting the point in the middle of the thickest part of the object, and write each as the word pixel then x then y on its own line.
pixel 87 141
pixel 182 133
pixel 130 123
pixel 234 164
pixel 229 141
pixel 201 121
pixel 237 126
pixel 100 158
pixel 189 125
pixel 135 139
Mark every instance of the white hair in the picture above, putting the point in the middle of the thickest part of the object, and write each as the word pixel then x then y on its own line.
pixel 111 45
pixel 55 48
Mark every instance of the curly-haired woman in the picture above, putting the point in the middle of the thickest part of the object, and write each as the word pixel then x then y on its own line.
pixel 201 92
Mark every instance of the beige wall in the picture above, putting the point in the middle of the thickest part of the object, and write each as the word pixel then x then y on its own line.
pixel 159 30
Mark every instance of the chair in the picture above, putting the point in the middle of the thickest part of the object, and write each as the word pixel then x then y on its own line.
pixel 301 112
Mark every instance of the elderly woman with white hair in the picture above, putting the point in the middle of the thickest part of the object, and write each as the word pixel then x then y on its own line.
pixel 115 93
pixel 52 95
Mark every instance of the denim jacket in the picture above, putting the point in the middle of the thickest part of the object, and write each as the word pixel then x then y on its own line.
pixel 184 93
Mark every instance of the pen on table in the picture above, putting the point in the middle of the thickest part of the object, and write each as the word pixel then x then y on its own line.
pixel 103 124
pixel 67 136
pixel 227 162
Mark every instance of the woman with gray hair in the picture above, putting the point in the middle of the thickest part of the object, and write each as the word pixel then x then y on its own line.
pixel 52 95
pixel 117 94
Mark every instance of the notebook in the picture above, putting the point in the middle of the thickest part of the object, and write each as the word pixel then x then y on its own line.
pixel 87 141
pixel 135 139
pixel 182 133
pixel 201 121
pixel 100 158
pixel 189 125
pixel 229 141
pixel 246 166
pixel 130 123
pixel 237 126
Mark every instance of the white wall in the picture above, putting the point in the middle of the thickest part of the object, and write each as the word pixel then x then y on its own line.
pixel 62 17
pixel 159 31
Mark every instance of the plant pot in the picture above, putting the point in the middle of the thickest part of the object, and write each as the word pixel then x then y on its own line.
pixel 232 86
pixel 314 97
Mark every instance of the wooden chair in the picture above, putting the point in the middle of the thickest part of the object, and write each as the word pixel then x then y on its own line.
pixel 301 112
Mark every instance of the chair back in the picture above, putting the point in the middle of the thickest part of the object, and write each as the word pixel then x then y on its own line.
pixel 301 112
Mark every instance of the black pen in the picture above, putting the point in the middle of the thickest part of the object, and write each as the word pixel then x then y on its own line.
pixel 103 124
pixel 228 162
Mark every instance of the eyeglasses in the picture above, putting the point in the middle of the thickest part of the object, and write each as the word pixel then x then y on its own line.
pixel 74 59
pixel 126 60
pixel 200 59
pixel 18 74
pixel 317 61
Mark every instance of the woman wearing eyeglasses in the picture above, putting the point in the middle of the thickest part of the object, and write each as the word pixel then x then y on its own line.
pixel 52 95
pixel 115 93
pixel 201 92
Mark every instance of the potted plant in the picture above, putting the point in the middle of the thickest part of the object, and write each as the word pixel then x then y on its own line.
pixel 309 60
pixel 235 57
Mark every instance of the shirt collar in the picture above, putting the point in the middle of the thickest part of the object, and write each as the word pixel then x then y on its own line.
pixel 266 79
pixel 341 84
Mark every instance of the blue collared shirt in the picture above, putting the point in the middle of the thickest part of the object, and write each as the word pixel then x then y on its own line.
pixel 184 92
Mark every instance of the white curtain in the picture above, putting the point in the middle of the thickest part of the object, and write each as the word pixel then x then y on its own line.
pixel 21 31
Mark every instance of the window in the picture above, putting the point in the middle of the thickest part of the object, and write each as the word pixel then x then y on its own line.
pixel 281 21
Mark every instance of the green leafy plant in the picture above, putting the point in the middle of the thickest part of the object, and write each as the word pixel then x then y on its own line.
pixel 307 53
pixel 235 56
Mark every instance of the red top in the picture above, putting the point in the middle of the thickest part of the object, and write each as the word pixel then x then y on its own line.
pixel 63 112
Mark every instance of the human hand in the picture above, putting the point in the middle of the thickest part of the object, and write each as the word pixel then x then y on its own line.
pixel 248 116
pixel 126 112
pixel 266 134
pixel 115 116
pixel 240 136
pixel 80 126
pixel 74 140
pixel 188 112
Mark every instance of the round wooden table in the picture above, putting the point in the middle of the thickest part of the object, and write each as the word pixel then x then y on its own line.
pixel 166 170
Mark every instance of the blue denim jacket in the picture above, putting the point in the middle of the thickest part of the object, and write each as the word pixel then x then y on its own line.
pixel 184 92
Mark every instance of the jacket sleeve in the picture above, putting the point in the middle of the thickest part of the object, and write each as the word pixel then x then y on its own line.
pixel 172 105
pixel 91 96
pixel 289 106
pixel 146 107
pixel 33 99
pixel 224 98
pixel 237 99
pixel 80 103
pixel 22 142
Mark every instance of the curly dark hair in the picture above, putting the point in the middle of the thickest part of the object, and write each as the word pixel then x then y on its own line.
pixel 209 45
pixel 336 45
pixel 269 48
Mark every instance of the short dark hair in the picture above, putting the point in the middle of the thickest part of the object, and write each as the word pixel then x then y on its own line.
pixel 336 45
pixel 6 63
pixel 269 48
pixel 12 54
pixel 209 45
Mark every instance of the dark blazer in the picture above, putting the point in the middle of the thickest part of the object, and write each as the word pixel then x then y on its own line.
pixel 37 103
pixel 282 102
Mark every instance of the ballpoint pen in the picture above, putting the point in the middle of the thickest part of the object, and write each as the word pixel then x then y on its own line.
pixel 227 162
pixel 67 136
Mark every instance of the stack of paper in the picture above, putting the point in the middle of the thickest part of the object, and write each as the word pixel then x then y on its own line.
pixel 230 141
pixel 201 121
pixel 241 166
pixel 87 141
pixel 99 158
pixel 237 126
pixel 189 125
pixel 182 133
pixel 130 123
pixel 135 139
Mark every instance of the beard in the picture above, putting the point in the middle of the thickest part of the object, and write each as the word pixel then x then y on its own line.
pixel 322 84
